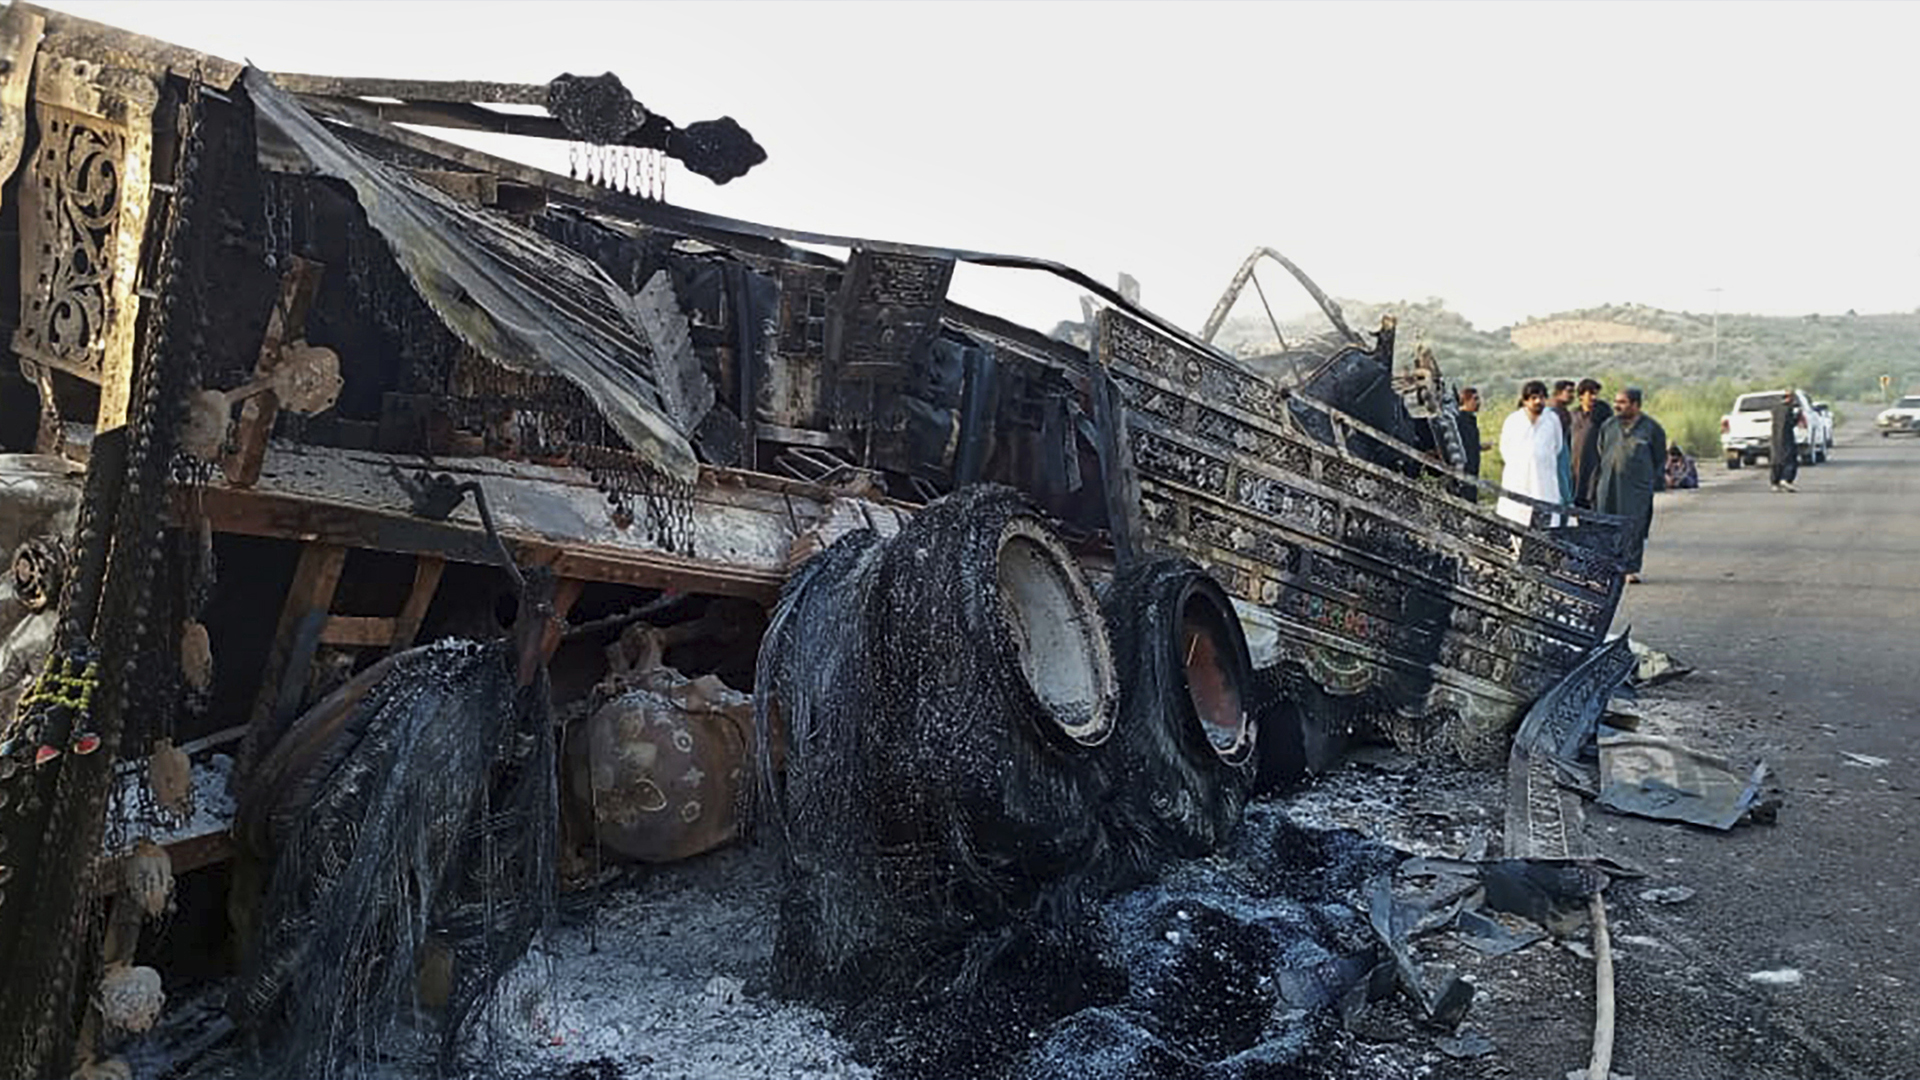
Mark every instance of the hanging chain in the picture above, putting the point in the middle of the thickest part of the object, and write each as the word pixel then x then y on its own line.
pixel 156 469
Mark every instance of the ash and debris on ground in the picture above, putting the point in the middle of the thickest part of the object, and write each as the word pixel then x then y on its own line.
pixel 664 976
pixel 1247 963
pixel 1424 808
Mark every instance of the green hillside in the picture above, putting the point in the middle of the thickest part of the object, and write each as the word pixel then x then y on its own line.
pixel 1672 354
pixel 1834 356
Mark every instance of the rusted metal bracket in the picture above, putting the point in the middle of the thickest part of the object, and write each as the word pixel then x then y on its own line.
pixel 298 287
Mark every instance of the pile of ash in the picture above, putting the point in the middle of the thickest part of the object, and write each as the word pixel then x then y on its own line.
pixel 1242 964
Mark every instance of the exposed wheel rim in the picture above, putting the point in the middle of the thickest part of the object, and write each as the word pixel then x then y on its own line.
pixel 1059 638
pixel 1207 655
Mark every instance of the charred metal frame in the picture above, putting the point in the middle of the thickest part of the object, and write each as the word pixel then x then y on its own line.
pixel 1381 586
pixel 1198 455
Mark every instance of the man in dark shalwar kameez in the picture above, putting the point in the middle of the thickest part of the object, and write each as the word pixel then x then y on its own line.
pixel 1587 419
pixel 1633 465
pixel 1783 448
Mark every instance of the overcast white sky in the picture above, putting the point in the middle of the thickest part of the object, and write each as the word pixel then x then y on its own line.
pixel 1514 159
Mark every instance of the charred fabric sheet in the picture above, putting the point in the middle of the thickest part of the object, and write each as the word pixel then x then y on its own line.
pixel 502 313
pixel 942 694
pixel 405 827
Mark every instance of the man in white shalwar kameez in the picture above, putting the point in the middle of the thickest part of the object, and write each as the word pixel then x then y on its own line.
pixel 1530 451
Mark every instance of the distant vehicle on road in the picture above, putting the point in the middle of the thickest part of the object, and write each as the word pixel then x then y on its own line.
pixel 1826 414
pixel 1746 433
pixel 1903 418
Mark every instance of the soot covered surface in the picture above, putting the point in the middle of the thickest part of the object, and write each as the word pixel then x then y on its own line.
pixel 1233 966
pixel 1236 965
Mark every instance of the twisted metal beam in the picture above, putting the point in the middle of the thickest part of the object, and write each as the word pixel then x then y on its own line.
pixel 1245 274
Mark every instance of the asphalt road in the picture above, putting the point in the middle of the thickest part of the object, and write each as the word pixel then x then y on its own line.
pixel 1801 614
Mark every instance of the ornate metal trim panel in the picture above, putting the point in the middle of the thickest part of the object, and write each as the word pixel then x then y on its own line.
pixel 1543 817
pixel 83 218
pixel 1361 567
pixel 885 315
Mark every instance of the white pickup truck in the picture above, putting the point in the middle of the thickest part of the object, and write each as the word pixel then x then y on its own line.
pixel 1746 433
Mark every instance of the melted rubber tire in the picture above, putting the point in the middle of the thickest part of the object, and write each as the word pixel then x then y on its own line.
pixel 1183 756
pixel 941 786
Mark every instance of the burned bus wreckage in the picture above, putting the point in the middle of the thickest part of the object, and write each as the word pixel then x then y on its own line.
pixel 408 530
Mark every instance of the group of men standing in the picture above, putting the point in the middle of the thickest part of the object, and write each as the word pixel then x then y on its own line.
pixel 1568 448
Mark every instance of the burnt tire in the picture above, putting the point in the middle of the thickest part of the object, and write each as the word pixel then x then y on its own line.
pixel 1183 759
pixel 942 694
pixel 1304 730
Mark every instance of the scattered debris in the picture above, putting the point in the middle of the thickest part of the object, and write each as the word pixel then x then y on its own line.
pixel 1865 761
pixel 1552 893
pixel 1653 667
pixel 1671 894
pixel 1493 937
pixel 1467 1044
pixel 1658 777
pixel 1544 815
pixel 1550 875
pixel 1442 996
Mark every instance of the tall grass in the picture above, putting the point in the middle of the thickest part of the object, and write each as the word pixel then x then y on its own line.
pixel 1691 412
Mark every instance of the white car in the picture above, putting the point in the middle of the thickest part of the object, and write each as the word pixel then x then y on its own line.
pixel 1902 418
pixel 1746 433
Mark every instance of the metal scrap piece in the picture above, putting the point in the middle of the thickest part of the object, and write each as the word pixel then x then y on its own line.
pixel 1490 936
pixel 1654 777
pixel 1543 817
pixel 685 390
